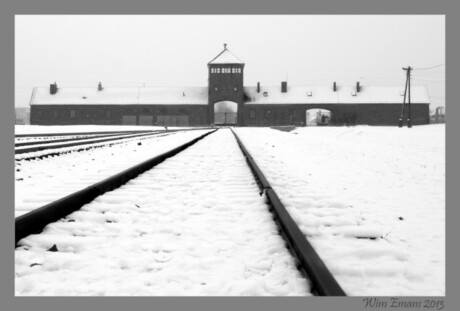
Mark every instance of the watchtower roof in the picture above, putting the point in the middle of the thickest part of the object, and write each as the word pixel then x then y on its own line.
pixel 225 57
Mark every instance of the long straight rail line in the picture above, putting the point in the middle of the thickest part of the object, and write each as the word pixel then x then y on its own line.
pixel 324 283
pixel 37 219
pixel 77 143
pixel 52 141
pixel 78 133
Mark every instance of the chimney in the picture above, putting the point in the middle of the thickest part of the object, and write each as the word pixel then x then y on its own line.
pixel 258 87
pixel 358 88
pixel 99 87
pixel 334 87
pixel 283 87
pixel 53 88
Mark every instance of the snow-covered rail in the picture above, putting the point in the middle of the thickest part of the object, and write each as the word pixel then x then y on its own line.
pixel 323 283
pixel 76 142
pixel 194 225
pixel 23 136
pixel 72 139
pixel 37 219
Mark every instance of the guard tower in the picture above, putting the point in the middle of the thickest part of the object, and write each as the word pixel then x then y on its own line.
pixel 225 83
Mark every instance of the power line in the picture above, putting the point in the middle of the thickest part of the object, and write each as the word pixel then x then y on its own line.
pixel 427 68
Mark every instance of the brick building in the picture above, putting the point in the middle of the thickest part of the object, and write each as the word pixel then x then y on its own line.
pixel 226 101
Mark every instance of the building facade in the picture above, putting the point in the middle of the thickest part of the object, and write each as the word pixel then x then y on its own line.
pixel 226 101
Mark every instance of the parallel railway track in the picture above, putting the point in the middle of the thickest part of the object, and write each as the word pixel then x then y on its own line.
pixel 320 279
pixel 73 139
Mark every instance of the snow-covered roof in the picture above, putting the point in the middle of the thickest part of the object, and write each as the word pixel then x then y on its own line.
pixel 226 57
pixel 343 95
pixel 199 95
pixel 122 96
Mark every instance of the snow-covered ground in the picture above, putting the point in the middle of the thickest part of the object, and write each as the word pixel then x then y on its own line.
pixel 345 185
pixel 371 200
pixel 41 181
pixel 47 129
pixel 193 225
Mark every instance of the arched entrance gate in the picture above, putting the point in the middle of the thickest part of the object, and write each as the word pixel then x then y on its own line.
pixel 226 113
pixel 318 117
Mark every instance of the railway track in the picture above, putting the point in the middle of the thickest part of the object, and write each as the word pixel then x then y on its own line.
pixel 44 149
pixel 227 193
pixel 72 139
pixel 40 181
pixel 22 136
pixel 76 142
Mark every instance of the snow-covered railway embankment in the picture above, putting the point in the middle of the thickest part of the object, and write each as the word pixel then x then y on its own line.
pixel 193 225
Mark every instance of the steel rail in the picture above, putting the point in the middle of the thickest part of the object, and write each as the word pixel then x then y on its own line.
pixel 88 147
pixel 36 220
pixel 52 141
pixel 78 133
pixel 323 282
pixel 78 143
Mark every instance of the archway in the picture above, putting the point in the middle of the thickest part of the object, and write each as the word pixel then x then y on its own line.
pixel 225 113
pixel 318 117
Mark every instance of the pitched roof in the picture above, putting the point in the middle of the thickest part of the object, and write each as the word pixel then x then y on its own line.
pixel 343 95
pixel 199 95
pixel 122 96
pixel 226 57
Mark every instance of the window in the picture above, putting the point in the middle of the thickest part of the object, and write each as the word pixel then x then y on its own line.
pixel 217 70
pixel 235 89
pixel 252 113
pixel 216 89
pixel 73 113
pixel 267 114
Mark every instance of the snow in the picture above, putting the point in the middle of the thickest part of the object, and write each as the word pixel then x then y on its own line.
pixel 90 141
pixel 371 200
pixel 122 95
pixel 47 129
pixel 343 95
pixel 193 225
pixel 41 181
pixel 226 57
pixel 199 95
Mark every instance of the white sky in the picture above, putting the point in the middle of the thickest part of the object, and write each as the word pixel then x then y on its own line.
pixel 159 50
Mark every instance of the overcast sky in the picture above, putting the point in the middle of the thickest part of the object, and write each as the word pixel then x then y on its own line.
pixel 159 50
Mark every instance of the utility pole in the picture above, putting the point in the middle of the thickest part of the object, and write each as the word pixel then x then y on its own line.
pixel 406 92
